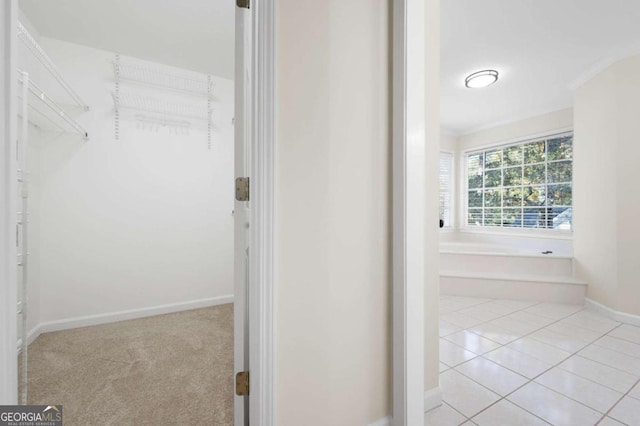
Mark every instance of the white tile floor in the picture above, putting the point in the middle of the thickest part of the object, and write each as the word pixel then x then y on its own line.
pixel 505 362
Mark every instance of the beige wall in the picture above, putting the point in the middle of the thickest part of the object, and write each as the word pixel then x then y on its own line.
pixel 628 202
pixel 333 324
pixel 606 231
pixel 556 120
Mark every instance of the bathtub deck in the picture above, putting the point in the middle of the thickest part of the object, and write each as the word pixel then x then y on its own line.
pixel 519 276
pixel 540 288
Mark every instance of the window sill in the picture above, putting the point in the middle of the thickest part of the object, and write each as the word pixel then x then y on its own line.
pixel 527 233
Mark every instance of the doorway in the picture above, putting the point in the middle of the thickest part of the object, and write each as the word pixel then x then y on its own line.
pixel 113 266
pixel 261 283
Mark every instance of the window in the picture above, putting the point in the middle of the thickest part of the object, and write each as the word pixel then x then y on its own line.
pixel 522 185
pixel 446 188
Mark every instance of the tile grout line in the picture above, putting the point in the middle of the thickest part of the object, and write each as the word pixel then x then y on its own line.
pixel 572 354
pixel 616 404
pixel 621 338
pixel 526 383
pixel 466 419
pixel 557 365
pixel 502 345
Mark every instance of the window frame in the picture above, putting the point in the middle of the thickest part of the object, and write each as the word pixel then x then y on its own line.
pixel 514 231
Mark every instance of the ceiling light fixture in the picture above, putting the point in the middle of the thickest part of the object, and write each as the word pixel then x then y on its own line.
pixel 481 79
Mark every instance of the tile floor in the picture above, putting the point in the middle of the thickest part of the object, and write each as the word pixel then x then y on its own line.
pixel 507 362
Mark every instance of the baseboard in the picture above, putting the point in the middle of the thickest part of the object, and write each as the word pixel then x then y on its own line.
pixel 432 399
pixel 32 335
pixel 382 422
pixel 613 314
pixel 85 321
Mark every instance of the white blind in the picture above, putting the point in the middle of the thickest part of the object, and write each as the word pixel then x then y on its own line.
pixel 446 187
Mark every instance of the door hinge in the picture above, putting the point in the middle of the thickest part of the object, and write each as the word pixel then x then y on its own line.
pixel 242 383
pixel 242 189
pixel 245 4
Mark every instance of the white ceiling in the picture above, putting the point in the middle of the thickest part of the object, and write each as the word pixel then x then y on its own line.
pixel 191 34
pixel 540 48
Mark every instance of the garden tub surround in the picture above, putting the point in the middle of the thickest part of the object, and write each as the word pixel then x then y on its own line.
pixel 509 267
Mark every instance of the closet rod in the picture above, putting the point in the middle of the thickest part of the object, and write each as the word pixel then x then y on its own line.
pixel 51 104
pixel 44 59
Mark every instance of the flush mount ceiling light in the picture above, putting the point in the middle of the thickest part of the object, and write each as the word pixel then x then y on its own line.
pixel 481 79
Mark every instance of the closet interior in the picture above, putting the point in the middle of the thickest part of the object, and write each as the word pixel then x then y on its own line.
pixel 125 226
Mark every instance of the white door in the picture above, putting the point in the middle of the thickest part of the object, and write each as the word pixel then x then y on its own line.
pixel 241 209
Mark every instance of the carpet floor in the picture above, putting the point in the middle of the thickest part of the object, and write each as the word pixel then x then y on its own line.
pixel 173 369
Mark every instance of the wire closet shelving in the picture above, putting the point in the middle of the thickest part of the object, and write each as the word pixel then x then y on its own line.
pixel 165 111
pixel 52 114
pixel 49 112
pixel 40 109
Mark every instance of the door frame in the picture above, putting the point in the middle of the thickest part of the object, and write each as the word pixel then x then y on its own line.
pixel 8 206
pixel 262 397
pixel 261 283
pixel 411 207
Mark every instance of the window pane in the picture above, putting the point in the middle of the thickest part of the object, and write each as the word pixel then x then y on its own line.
pixel 475 166
pixel 534 174
pixel 534 218
pixel 492 178
pixel 534 152
pixel 475 181
pixel 512 197
pixel 560 148
pixel 493 198
pixel 534 195
pixel 492 217
pixel 475 198
pixel 512 218
pixel 474 217
pixel 560 195
pixel 493 159
pixel 560 172
pixel 524 185
pixel 512 156
pixel 513 176
pixel 561 218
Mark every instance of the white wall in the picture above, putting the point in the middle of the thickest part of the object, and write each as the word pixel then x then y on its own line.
pixel 448 141
pixel 333 344
pixel 134 223
pixel 606 196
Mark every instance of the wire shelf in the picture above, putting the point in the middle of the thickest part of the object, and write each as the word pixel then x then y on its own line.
pixel 53 113
pixel 125 100
pixel 190 83
pixel 158 122
pixel 49 65
pixel 146 74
